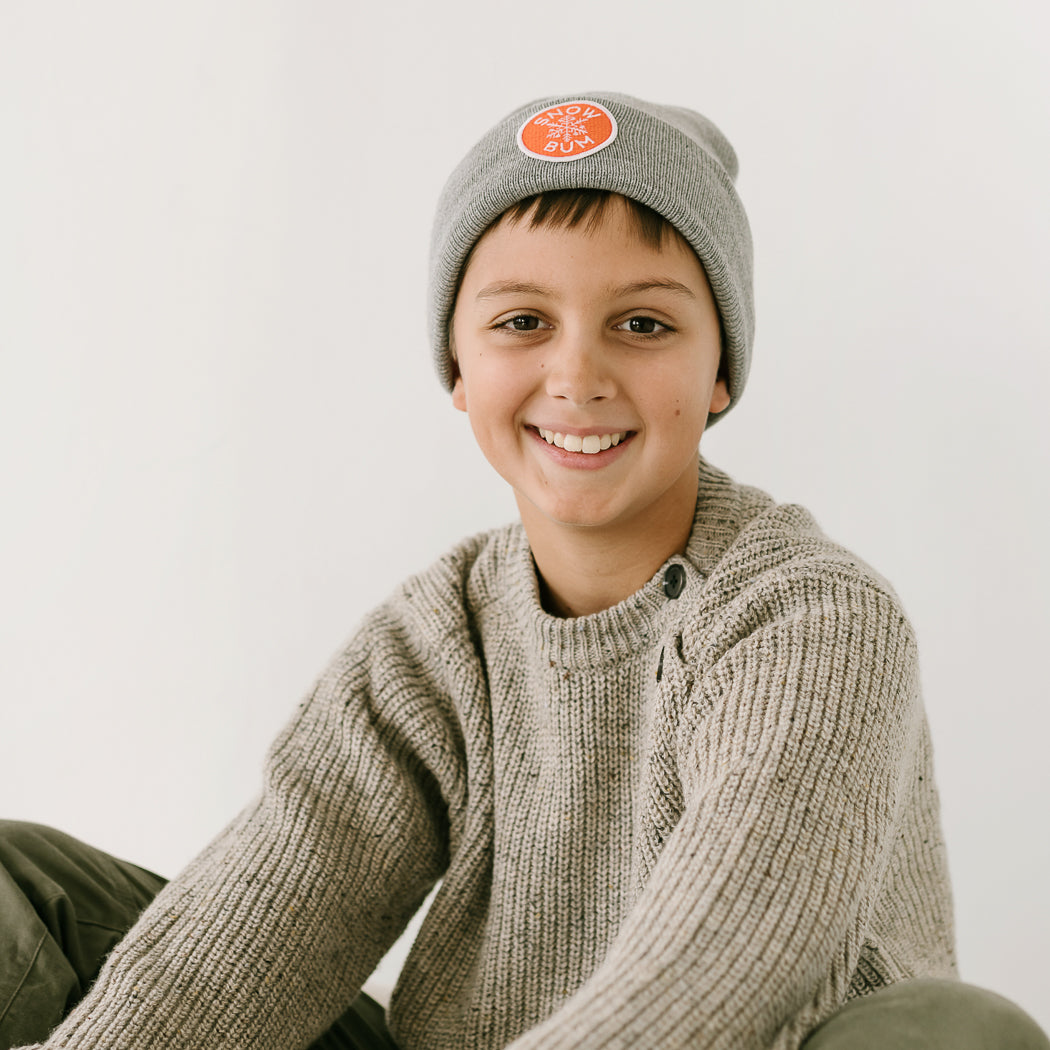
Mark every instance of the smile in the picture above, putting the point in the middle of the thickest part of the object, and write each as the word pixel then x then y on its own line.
pixel 588 445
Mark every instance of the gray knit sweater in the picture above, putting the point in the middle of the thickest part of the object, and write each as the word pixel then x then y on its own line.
pixel 698 821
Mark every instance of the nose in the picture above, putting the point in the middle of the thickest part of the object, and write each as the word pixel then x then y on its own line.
pixel 578 370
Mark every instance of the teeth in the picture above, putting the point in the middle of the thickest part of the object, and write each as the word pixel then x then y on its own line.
pixel 588 445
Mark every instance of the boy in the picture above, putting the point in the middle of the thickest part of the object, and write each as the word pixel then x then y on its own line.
pixel 662 742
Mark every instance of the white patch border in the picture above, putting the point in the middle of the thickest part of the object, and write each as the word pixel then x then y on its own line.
pixel 579 156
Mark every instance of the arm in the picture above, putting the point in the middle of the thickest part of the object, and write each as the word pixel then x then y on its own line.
pixel 265 937
pixel 793 739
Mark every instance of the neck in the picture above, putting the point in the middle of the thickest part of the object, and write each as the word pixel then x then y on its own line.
pixel 585 569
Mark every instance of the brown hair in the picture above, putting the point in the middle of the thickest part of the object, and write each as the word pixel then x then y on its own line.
pixel 568 209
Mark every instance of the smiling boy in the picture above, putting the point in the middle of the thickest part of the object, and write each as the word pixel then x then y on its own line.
pixel 661 742
pixel 588 372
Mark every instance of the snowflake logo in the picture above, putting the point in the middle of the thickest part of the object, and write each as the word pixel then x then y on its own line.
pixel 568 128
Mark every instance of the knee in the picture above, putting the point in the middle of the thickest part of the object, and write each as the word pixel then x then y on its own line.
pixel 22 836
pixel 21 832
pixel 22 841
pixel 928 1014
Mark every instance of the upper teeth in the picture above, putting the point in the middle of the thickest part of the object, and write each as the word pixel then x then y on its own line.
pixel 574 443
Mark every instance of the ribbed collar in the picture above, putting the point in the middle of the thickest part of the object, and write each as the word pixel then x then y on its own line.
pixel 617 633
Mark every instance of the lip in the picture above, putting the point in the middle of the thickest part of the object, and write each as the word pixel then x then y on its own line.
pixel 582 460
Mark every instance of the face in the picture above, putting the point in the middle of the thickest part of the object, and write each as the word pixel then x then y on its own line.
pixel 588 365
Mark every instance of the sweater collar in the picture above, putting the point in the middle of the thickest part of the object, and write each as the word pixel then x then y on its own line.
pixel 637 622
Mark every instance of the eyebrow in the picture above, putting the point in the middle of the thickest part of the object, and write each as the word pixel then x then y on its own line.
pixel 500 288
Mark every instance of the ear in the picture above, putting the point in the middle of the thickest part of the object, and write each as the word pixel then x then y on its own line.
pixel 719 397
pixel 459 395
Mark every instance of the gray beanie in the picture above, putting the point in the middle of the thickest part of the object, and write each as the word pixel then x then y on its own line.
pixel 671 159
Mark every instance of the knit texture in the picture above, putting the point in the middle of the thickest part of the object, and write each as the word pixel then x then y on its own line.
pixel 702 821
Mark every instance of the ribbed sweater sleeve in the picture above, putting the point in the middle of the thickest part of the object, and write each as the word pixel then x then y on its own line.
pixel 797 722
pixel 269 933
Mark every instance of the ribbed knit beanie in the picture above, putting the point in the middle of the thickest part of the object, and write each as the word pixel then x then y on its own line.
pixel 671 159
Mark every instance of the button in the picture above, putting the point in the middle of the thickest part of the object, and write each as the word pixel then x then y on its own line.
pixel 674 581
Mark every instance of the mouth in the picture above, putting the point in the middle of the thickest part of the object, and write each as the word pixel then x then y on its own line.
pixel 587 445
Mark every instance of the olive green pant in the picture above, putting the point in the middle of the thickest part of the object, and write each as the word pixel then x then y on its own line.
pixel 64 905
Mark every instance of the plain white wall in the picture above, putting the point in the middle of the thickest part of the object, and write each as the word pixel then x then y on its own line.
pixel 221 441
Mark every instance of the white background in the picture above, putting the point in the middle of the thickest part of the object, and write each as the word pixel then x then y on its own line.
pixel 221 441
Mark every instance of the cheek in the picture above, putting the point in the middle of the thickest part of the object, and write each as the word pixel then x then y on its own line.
pixel 489 401
pixel 673 395
pixel 494 381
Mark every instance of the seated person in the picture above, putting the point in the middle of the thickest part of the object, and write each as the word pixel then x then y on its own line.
pixel 661 741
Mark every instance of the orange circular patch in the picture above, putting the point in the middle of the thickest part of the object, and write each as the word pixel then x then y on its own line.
pixel 567 131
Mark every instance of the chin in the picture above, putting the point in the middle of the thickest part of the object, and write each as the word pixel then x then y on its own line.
pixel 584 514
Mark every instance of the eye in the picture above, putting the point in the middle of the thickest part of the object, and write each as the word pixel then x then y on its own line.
pixel 520 323
pixel 642 325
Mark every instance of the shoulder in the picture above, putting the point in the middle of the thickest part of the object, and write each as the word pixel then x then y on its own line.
pixel 439 606
pixel 793 637
pixel 417 652
pixel 776 566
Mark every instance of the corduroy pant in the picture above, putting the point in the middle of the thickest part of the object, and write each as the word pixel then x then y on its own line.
pixel 64 905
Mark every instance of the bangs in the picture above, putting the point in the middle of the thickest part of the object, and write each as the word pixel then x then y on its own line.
pixel 568 209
